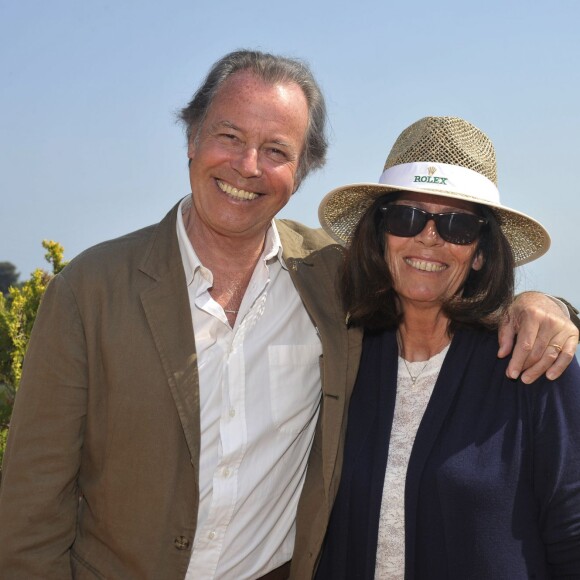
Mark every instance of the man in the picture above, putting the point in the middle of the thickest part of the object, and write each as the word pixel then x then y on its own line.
pixel 172 384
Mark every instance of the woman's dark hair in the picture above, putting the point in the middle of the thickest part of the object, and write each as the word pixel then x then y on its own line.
pixel 367 284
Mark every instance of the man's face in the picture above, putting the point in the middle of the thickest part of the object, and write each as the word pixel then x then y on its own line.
pixel 244 158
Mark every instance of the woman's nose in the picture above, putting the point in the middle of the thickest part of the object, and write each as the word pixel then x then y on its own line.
pixel 429 234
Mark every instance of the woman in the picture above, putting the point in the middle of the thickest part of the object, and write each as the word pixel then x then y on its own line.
pixel 451 470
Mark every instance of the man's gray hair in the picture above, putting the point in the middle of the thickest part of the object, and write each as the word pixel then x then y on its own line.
pixel 271 69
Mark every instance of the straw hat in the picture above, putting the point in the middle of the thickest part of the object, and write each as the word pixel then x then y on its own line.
pixel 443 156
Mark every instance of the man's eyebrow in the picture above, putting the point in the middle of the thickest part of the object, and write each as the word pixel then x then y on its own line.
pixel 278 142
pixel 227 124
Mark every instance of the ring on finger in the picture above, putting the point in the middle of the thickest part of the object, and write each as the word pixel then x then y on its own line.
pixel 557 347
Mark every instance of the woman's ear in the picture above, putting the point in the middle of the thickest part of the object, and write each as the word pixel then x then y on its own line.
pixel 478 261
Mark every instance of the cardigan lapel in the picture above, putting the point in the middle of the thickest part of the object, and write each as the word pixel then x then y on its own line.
pixel 375 411
pixel 351 541
pixel 166 306
pixel 450 379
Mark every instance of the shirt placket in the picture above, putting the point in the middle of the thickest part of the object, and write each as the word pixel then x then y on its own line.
pixel 233 429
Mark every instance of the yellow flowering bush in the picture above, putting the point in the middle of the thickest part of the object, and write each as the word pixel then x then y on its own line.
pixel 17 314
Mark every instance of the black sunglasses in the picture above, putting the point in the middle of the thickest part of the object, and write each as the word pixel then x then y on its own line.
pixel 407 221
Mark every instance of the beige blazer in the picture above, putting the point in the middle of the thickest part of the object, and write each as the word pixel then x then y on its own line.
pixel 100 478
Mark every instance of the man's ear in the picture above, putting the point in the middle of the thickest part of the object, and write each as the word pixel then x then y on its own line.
pixel 191 148
pixel 191 144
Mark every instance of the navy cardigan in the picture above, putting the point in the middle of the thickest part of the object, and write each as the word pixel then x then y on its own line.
pixel 493 482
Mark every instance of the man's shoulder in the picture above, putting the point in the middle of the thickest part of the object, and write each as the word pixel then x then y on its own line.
pixel 312 244
pixel 310 238
pixel 122 252
pixel 118 249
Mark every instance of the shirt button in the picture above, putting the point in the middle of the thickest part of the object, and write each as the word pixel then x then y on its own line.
pixel 211 535
pixel 181 543
pixel 232 412
pixel 226 472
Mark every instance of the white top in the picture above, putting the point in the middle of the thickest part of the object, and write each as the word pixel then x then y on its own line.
pixel 259 398
pixel 410 406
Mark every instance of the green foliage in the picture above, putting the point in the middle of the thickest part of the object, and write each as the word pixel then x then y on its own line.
pixel 17 314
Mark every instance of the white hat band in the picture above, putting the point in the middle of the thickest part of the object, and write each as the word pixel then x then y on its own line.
pixel 443 176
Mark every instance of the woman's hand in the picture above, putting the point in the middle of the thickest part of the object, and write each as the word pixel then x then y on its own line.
pixel 546 338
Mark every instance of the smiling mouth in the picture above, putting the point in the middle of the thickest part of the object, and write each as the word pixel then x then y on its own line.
pixel 425 266
pixel 236 193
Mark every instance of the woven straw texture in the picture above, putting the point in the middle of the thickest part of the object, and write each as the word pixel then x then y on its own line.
pixel 445 140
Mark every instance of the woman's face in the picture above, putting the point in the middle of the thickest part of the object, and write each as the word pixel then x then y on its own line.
pixel 426 269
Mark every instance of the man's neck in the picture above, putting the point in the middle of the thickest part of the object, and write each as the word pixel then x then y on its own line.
pixel 221 252
pixel 232 261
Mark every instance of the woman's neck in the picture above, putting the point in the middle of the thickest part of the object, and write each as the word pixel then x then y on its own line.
pixel 423 334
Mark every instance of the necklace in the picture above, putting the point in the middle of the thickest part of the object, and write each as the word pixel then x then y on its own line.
pixel 414 377
pixel 230 311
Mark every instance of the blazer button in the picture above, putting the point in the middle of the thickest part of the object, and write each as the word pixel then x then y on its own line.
pixel 181 543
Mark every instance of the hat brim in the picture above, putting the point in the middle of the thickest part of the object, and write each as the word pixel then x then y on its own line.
pixel 341 210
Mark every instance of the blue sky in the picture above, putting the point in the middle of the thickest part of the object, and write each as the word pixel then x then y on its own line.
pixel 89 147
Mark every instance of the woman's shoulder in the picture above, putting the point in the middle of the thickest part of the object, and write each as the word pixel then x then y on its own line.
pixel 480 347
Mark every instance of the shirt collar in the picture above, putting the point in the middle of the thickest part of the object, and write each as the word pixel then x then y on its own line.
pixel 191 262
pixel 273 245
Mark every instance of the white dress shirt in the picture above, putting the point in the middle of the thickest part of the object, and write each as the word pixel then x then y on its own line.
pixel 259 398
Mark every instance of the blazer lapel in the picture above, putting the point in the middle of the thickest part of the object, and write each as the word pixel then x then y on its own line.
pixel 315 277
pixel 166 306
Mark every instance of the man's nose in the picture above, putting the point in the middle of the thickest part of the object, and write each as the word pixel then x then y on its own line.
pixel 247 162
